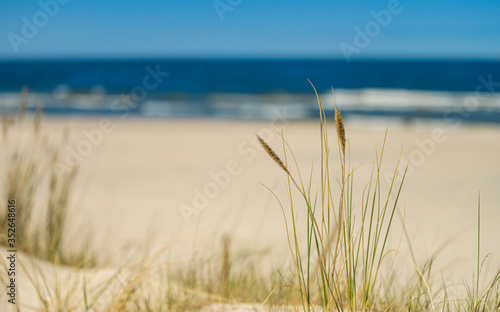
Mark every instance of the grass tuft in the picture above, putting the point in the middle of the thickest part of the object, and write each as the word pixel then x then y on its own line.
pixel 42 196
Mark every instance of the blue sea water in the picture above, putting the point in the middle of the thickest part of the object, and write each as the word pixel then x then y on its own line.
pixel 252 88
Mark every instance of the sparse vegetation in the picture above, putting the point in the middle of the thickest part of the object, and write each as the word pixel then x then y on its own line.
pixel 347 265
pixel 42 196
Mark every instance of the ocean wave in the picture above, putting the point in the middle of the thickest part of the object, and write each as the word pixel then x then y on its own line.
pixel 367 103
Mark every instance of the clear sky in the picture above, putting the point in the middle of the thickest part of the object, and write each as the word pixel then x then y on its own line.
pixel 250 28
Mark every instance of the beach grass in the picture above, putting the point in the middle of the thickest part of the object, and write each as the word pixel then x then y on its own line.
pixel 346 263
pixel 340 267
pixel 30 177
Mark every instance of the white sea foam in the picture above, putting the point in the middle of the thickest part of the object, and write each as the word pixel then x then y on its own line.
pixel 407 99
pixel 363 102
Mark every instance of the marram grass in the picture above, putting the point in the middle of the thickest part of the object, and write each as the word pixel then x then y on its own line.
pixel 29 177
pixel 347 269
pixel 346 263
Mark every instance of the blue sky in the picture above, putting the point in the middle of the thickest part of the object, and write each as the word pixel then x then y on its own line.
pixel 249 28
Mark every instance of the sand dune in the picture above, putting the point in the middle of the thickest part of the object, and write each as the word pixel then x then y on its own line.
pixel 183 183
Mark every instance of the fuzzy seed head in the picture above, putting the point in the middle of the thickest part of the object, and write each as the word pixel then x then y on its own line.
pixel 272 154
pixel 340 129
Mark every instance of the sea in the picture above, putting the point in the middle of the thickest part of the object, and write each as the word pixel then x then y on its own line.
pixel 255 89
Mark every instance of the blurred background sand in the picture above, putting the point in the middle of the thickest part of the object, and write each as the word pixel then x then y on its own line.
pixel 132 185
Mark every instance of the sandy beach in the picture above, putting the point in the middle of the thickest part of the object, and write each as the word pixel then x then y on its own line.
pixel 181 184
pixel 141 174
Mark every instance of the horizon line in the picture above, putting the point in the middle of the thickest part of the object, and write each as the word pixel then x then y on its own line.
pixel 248 58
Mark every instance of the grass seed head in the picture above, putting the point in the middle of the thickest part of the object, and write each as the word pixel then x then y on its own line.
pixel 340 129
pixel 272 154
